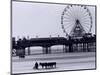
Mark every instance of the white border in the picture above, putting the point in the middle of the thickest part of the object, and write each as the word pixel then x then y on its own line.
pixel 5 37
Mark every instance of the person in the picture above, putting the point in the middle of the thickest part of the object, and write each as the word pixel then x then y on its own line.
pixel 36 65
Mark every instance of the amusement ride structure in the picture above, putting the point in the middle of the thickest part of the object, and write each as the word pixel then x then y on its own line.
pixel 76 20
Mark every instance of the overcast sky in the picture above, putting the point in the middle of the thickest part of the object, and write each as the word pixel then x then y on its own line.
pixel 31 19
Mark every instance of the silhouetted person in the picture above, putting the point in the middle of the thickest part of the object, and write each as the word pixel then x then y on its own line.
pixel 36 65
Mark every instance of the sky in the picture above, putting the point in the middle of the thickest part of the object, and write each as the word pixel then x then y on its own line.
pixel 40 19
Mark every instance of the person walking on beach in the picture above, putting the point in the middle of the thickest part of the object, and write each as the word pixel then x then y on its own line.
pixel 36 65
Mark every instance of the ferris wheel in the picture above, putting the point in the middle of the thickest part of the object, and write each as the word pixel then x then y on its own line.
pixel 76 20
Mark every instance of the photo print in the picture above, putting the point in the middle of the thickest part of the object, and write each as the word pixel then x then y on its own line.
pixel 52 37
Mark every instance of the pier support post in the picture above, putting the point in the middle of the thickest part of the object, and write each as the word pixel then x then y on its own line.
pixel 46 50
pixel 49 50
pixel 87 47
pixel 29 52
pixel 63 48
pixel 70 48
pixel 43 50
pixel 66 49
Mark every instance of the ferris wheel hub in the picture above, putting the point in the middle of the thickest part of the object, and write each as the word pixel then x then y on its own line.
pixel 77 22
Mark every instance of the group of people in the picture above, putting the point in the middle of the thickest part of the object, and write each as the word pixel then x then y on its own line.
pixel 45 65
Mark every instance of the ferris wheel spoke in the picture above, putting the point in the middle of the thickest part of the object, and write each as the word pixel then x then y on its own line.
pixel 68 22
pixel 78 14
pixel 85 26
pixel 83 11
pixel 85 19
pixel 66 31
pixel 68 18
pixel 87 29
pixel 70 12
pixel 86 14
pixel 74 12
pixel 69 26
pixel 73 8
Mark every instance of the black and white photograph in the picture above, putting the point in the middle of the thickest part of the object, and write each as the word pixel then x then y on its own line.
pixel 52 37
